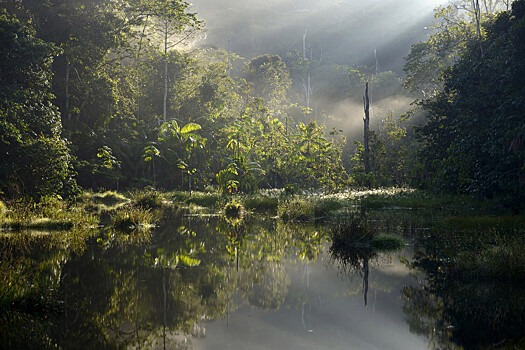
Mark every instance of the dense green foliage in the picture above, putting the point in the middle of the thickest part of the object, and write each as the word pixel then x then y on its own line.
pixel 106 91
pixel 139 110
pixel 34 158
pixel 472 140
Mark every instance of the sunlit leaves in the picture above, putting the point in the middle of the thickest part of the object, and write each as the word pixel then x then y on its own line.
pixel 150 152
pixel 190 127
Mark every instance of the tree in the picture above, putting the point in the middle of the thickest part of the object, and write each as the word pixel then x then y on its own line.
pixel 35 160
pixel 171 21
pixel 179 144
pixel 468 139
pixel 460 25
pixel 268 77
pixel 366 130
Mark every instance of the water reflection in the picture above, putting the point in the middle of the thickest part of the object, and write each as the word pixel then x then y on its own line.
pixel 473 294
pixel 188 285
pixel 216 283
pixel 356 242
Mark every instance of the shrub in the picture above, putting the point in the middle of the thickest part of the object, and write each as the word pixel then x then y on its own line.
pixel 148 199
pixel 296 209
pixel 233 209
pixel 128 219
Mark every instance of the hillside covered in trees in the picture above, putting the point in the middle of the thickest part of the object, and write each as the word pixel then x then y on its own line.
pixel 119 95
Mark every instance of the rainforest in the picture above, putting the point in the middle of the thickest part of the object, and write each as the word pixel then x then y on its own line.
pixel 252 174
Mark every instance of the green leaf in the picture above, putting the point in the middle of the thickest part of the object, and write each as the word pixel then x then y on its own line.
pixel 189 261
pixel 190 127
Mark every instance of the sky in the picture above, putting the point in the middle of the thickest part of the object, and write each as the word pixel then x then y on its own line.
pixel 337 31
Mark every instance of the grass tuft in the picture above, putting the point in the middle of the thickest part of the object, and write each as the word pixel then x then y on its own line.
pixel 128 219
pixel 148 199
pixel 109 198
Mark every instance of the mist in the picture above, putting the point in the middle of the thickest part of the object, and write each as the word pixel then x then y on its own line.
pixel 334 33
pixel 337 31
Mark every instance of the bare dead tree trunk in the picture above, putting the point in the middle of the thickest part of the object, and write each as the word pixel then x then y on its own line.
pixel 304 43
pixel 377 62
pixel 477 13
pixel 165 61
pixel 366 132
pixel 68 71
pixel 139 50
pixel 165 99
pixel 307 90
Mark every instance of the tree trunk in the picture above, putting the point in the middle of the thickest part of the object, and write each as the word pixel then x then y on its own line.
pixel 165 100
pixel 366 132
pixel 477 12
pixel 67 107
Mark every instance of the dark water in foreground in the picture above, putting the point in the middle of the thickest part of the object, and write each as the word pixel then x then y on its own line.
pixel 210 283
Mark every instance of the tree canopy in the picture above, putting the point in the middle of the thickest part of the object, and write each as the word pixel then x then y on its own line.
pixel 472 140
pixel 110 92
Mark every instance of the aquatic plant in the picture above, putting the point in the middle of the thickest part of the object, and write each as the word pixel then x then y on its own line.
pixel 3 209
pixel 296 209
pixel 326 207
pixel 356 234
pixel 206 199
pixel 47 215
pixel 109 198
pixel 202 199
pixel 311 208
pixel 131 218
pixel 147 199
pixel 233 209
pixel 261 203
pixel 386 242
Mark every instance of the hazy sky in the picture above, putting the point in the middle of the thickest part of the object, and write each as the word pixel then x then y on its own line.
pixel 339 31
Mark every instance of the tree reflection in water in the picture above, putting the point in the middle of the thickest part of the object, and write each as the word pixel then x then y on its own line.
pixel 356 243
pixel 473 294
pixel 157 291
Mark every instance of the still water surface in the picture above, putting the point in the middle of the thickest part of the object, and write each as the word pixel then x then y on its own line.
pixel 323 309
pixel 211 283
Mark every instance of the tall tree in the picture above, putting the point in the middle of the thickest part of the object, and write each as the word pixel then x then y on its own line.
pixel 469 137
pixel 34 158
pixel 457 25
pixel 171 25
